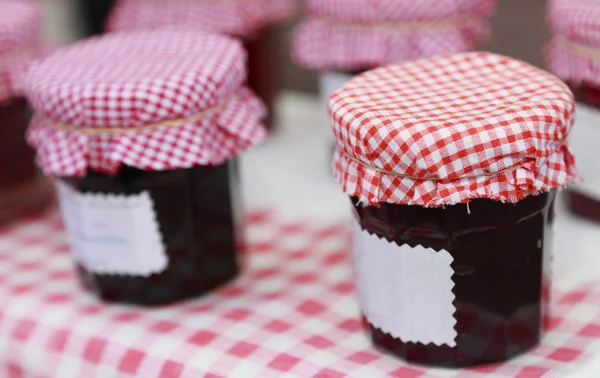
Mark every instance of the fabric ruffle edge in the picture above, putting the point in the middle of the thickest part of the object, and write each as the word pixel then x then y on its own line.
pixel 209 141
pixel 373 187
pixel 242 20
pixel 13 66
pixel 318 45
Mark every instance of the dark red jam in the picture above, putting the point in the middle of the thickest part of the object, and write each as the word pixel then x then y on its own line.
pixel 502 255
pixel 579 203
pixel 197 223
pixel 263 70
pixel 95 13
pixel 22 188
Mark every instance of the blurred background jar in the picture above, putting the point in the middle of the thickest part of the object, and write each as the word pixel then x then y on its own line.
pixel 340 39
pixel 143 158
pixel 22 188
pixel 574 55
pixel 254 22
pixel 94 14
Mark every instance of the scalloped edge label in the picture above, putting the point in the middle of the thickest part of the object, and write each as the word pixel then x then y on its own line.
pixel 113 234
pixel 404 291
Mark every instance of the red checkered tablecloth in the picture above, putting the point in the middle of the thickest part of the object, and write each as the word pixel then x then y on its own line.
pixel 292 313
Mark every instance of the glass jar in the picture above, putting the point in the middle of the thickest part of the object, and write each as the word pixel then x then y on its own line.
pixel 454 202
pixel 263 71
pixel 23 189
pixel 583 199
pixel 195 214
pixel 149 194
pixel 501 261
pixel 94 14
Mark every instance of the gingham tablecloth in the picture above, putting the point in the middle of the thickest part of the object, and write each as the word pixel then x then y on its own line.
pixel 292 313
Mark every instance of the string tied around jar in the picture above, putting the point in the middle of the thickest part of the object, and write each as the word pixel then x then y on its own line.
pixel 579 49
pixel 143 128
pixel 408 27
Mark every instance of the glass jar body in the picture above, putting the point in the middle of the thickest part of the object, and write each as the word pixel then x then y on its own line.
pixel 94 15
pixel 22 188
pixel 263 69
pixel 500 266
pixel 196 219
pixel 584 198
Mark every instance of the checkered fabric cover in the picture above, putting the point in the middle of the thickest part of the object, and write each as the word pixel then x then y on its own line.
pixel 292 313
pixel 240 18
pixel 575 21
pixel 362 34
pixel 482 125
pixel 20 28
pixel 394 10
pixel 128 80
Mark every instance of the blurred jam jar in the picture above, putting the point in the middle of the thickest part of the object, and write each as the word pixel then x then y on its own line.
pixel 452 179
pixel 340 38
pixel 252 21
pixel 23 190
pixel 574 56
pixel 141 131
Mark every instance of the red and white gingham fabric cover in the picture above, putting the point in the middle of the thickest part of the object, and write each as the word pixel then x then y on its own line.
pixel 576 21
pixel 486 126
pixel 363 34
pixel 128 80
pixel 240 18
pixel 20 30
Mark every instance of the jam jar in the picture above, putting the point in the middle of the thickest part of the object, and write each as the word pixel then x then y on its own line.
pixel 94 14
pixel 146 172
pixel 341 40
pixel 574 56
pixel 23 189
pixel 453 202
pixel 253 22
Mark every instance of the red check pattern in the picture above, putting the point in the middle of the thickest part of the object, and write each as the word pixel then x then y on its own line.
pixel 481 125
pixel 20 29
pixel 293 312
pixel 241 18
pixel 129 80
pixel 576 21
pixel 359 34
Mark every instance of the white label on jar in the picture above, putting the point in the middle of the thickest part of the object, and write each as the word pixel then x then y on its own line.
pixel 584 141
pixel 404 291
pixel 113 234
pixel 330 82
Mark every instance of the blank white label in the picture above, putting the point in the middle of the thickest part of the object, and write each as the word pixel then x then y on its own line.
pixel 585 143
pixel 113 234
pixel 404 291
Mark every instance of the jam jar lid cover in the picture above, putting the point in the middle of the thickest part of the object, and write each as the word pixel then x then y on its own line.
pixel 20 32
pixel 574 51
pixel 241 18
pixel 156 100
pixel 363 34
pixel 449 129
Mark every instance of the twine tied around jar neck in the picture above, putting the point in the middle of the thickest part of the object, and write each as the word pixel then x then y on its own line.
pixel 407 27
pixel 144 128
pixel 579 49
pixel 426 178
